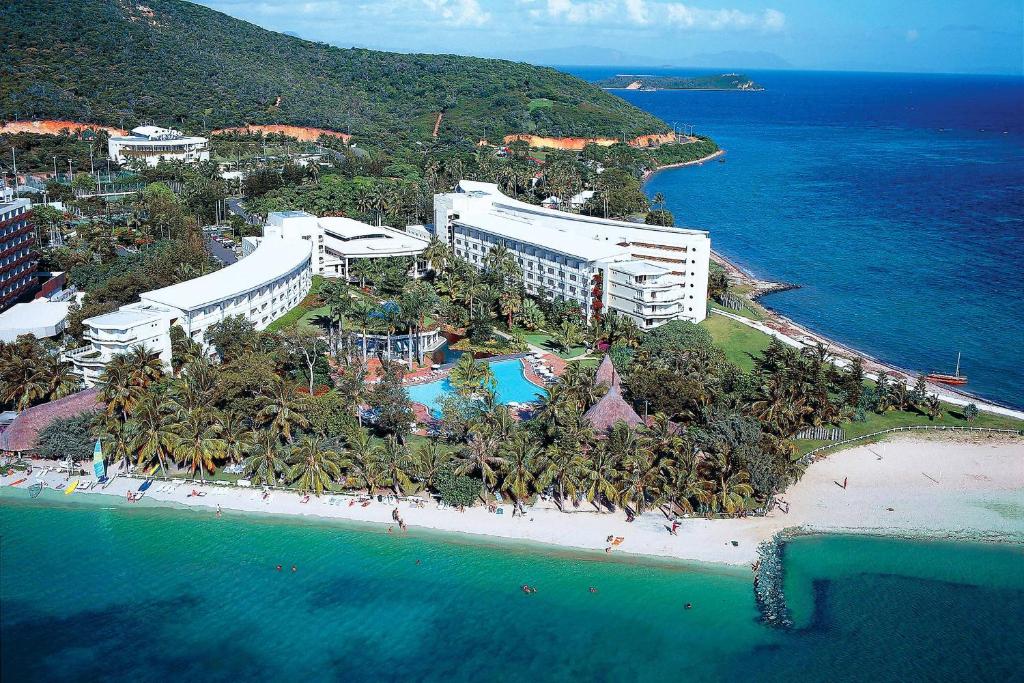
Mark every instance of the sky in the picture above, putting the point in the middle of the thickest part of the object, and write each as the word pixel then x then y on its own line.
pixel 945 36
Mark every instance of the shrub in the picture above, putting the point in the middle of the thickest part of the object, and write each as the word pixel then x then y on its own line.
pixel 457 489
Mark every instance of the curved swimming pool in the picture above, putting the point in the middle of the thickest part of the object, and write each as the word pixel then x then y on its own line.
pixel 513 387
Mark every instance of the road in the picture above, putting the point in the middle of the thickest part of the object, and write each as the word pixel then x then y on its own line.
pixel 220 252
pixel 235 206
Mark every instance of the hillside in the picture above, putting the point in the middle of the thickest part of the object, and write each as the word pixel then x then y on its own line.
pixel 120 63
pixel 642 82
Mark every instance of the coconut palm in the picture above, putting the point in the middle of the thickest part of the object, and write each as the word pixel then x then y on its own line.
pixel 362 455
pixel 567 335
pixel 438 254
pixel 281 408
pixel 144 366
pixel 198 440
pixel 363 312
pixel 395 463
pixel 599 478
pixel 314 467
pixel 264 464
pixel 480 456
pixel 563 468
pixel 471 377
pixel 152 439
pixel 731 487
pixel 238 438
pixel 430 458
pixel 518 470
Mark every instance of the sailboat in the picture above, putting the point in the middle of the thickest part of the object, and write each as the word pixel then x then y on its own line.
pixel 955 379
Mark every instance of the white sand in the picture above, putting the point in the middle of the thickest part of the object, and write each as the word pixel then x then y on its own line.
pixel 936 487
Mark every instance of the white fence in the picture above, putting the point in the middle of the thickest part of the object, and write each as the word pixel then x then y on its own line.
pixel 810 454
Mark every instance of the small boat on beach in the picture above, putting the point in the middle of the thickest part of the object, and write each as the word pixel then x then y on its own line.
pixel 956 379
pixel 18 481
pixel 71 488
pixel 35 489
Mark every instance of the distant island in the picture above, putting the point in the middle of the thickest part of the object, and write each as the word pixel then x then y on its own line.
pixel 648 82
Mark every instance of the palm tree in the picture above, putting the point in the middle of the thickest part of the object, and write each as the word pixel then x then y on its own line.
pixel 363 458
pixel 517 473
pixel 314 467
pixel 363 311
pixel 563 468
pixel 471 377
pixel 599 479
pixel 264 464
pixel 658 200
pixel 144 366
pixel 430 458
pixel 281 407
pixel 238 439
pixel 567 335
pixel 198 440
pixel 479 455
pixel 732 487
pixel 395 463
pixel 438 254
pixel 151 434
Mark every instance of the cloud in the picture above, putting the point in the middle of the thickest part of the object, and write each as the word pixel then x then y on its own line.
pixel 459 12
pixel 648 12
pixel 912 35
pixel 697 18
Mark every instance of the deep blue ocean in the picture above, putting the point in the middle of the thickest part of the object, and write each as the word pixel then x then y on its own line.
pixel 895 201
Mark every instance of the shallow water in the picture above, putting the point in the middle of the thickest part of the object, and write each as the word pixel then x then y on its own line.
pixel 90 592
pixel 896 201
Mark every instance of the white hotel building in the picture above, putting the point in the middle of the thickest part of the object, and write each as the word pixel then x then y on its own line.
pixel 651 274
pixel 262 287
pixel 153 144
pixel 340 242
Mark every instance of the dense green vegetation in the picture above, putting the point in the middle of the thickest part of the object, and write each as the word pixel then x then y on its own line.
pixel 186 65
pixel 718 82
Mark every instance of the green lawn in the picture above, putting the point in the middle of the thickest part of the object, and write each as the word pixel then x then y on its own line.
pixel 544 341
pixel 951 417
pixel 750 313
pixel 540 103
pixel 736 339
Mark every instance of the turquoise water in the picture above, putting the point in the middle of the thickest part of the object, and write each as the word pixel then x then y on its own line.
pixel 96 593
pixel 512 387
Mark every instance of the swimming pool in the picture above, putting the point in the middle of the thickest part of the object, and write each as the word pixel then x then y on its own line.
pixel 513 387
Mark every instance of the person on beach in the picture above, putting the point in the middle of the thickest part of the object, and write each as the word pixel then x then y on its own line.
pixel 218 509
pixel 844 483
pixel 675 527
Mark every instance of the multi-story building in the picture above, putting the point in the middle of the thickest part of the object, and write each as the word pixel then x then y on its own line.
pixel 650 273
pixel 17 251
pixel 340 242
pixel 262 287
pixel 153 144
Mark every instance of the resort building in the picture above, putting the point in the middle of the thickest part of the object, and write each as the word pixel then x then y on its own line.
pixel 652 274
pixel 153 144
pixel 17 255
pixel 340 242
pixel 262 287
pixel 39 317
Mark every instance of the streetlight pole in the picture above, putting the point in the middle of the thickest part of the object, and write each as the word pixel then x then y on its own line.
pixel 14 162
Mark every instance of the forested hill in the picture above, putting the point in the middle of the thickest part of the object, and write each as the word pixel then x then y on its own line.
pixel 176 63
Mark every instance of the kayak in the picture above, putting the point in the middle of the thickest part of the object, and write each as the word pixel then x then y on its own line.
pixel 71 488
pixel 35 489
pixel 145 485
pixel 19 481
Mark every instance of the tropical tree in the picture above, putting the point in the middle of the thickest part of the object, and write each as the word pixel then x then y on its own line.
pixel 281 408
pixel 362 454
pixel 313 467
pixel 152 438
pixel 430 457
pixel 520 459
pixel 264 463
pixel 480 456
pixel 395 463
pixel 563 468
pixel 198 441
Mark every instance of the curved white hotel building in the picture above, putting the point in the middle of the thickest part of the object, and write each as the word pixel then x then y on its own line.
pixel 153 144
pixel 340 242
pixel 652 274
pixel 262 287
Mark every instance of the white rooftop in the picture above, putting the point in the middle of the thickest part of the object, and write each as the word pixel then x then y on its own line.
pixel 156 134
pixel 640 268
pixel 554 236
pixel 354 238
pixel 271 260
pixel 127 316
pixel 39 317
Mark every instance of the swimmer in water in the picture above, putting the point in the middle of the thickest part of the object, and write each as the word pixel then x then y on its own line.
pixel 278 567
pixel 689 606
pixel 593 590
pixel 294 568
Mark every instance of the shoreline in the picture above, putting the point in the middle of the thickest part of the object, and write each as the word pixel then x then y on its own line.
pixel 924 488
pixel 800 335
pixel 695 162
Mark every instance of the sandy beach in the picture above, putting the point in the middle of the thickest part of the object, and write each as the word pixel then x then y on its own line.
pixel 934 486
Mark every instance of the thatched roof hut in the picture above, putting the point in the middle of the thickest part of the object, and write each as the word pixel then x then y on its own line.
pixel 611 409
pixel 23 433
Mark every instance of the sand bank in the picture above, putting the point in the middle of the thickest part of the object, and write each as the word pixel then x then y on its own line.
pixel 934 487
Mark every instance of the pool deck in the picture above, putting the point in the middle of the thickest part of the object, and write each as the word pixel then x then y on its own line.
pixel 424 420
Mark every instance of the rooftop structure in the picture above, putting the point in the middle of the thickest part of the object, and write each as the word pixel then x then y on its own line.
pixel 153 144
pixel 23 433
pixel 341 241
pixel 40 318
pixel 652 274
pixel 611 409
